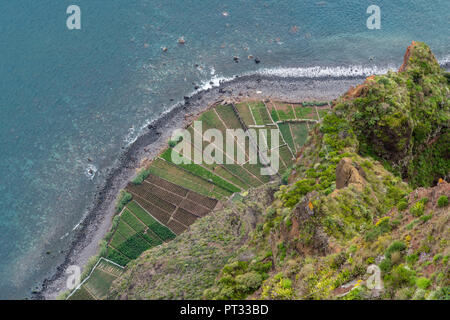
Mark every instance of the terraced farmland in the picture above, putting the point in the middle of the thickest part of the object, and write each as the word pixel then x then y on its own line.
pixel 260 113
pixel 299 134
pixel 245 113
pixel 287 135
pixel 173 196
pixel 283 111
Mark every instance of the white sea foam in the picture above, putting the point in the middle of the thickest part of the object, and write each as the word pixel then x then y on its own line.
pixel 131 136
pixel 90 171
pixel 323 72
pixel 444 60
pixel 298 72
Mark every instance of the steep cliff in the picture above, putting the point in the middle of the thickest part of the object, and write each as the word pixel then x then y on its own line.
pixel 367 194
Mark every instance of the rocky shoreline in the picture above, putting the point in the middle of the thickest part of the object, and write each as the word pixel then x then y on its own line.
pixel 154 140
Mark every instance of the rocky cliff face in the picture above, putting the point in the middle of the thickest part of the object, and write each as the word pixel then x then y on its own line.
pixel 350 207
pixel 402 118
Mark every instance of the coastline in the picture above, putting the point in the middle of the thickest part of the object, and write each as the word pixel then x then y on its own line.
pixel 148 145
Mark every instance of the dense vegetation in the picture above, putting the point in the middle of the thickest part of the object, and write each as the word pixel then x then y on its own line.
pixel 349 206
pixel 402 117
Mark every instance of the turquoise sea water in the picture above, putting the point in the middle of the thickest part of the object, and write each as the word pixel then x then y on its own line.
pixel 67 96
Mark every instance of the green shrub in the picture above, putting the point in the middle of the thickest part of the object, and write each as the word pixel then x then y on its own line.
pixel 301 188
pixel 442 294
pixel 382 226
pixel 402 205
pixel 412 259
pixel 248 282
pixel 396 246
pixel 442 201
pixel 142 175
pixel 370 260
pixel 423 283
pixel 285 177
pixel 239 279
pixel 385 265
pixel 425 218
pixel 401 275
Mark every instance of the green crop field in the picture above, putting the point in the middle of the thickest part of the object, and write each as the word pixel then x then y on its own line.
pixel 274 114
pixel 228 116
pixel 249 178
pixel 133 246
pixel 132 221
pixel 202 172
pixel 220 170
pixel 128 242
pixel 117 240
pixel 285 111
pixel 257 115
pixel 259 112
pixel 125 230
pixel 286 155
pixel 187 180
pixel 245 114
pixel 99 283
pixel 217 168
pixel 117 257
pixel 255 169
pixel 210 120
pixel 151 238
pixel 161 231
pixel 287 136
pixel 305 112
pixel 82 294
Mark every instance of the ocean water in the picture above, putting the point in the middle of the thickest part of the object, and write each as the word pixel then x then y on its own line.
pixel 70 96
